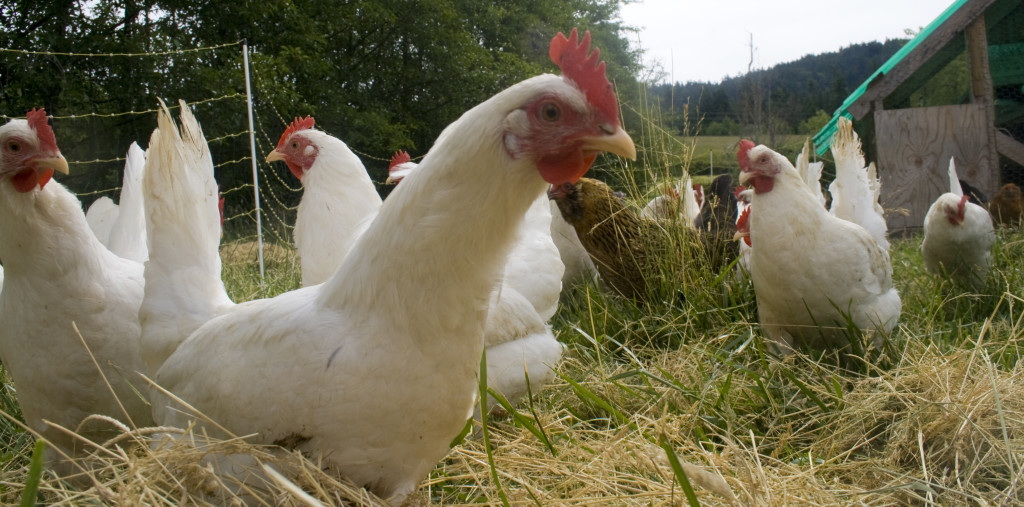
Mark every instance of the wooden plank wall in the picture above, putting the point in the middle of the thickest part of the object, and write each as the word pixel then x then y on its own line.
pixel 914 147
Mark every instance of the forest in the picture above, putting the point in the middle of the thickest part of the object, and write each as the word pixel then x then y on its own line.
pixel 789 98
pixel 382 75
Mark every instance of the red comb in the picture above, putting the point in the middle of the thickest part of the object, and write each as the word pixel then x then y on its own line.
pixel 741 155
pixel 297 125
pixel 37 120
pixel 400 157
pixel 586 71
pixel 738 190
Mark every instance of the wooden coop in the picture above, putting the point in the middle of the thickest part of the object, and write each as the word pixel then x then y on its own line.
pixel 955 90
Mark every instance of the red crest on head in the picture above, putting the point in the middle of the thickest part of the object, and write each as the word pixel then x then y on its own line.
pixel 742 156
pixel 400 157
pixel 586 71
pixel 296 125
pixel 738 190
pixel 37 121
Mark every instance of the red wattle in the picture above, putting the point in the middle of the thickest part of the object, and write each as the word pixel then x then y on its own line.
pixel 763 184
pixel 26 180
pixel 568 169
pixel 295 169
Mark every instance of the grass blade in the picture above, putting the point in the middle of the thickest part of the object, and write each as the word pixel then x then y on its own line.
pixel 486 433
pixel 677 469
pixel 35 472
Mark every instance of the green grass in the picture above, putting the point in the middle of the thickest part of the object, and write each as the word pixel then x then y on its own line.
pixel 677 400
pixel 680 393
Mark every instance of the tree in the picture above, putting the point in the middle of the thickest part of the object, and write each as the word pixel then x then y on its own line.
pixel 379 74
pixel 814 124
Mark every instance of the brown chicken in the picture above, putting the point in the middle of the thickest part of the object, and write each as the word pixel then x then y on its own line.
pixel 618 240
pixel 1007 205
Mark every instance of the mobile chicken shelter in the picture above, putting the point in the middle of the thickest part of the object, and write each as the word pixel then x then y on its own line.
pixel 954 90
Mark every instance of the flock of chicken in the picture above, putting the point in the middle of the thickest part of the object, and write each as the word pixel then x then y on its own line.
pixel 817 267
pixel 337 368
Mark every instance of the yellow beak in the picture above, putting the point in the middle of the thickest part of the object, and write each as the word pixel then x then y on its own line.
pixel 56 163
pixel 274 156
pixel 618 142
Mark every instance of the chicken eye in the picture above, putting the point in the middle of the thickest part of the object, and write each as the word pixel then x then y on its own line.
pixel 295 145
pixel 14 146
pixel 550 112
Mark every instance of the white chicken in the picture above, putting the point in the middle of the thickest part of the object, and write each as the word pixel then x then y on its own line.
pixel 375 370
pixel 183 288
pixel 335 183
pixel 122 228
pixel 60 278
pixel 810 269
pixel 400 167
pixel 338 198
pixel 856 188
pixel 677 203
pixel 958 237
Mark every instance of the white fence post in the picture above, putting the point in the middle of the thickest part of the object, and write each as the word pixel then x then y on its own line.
pixel 255 171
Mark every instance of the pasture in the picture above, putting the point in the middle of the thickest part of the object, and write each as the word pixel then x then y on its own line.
pixel 672 402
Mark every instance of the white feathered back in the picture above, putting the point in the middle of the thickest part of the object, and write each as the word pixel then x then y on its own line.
pixel 183 283
pixel 855 190
pixel 810 171
pixel 101 216
pixel 128 234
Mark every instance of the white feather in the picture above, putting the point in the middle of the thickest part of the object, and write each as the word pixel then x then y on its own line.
pixel 855 190
pixel 128 233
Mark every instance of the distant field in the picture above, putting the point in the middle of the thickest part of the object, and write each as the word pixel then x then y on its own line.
pixel 715 154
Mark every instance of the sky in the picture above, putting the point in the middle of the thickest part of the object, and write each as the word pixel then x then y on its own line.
pixel 708 40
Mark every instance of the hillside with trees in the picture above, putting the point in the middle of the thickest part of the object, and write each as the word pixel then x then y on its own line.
pixel 790 98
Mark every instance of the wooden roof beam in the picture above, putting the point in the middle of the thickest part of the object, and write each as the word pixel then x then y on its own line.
pixel 886 84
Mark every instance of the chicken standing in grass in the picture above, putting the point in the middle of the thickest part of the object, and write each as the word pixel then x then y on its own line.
pixel 374 371
pixel 811 271
pixel 623 245
pixel 958 237
pixel 676 204
pixel 1007 205
pixel 339 202
pixel 63 291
